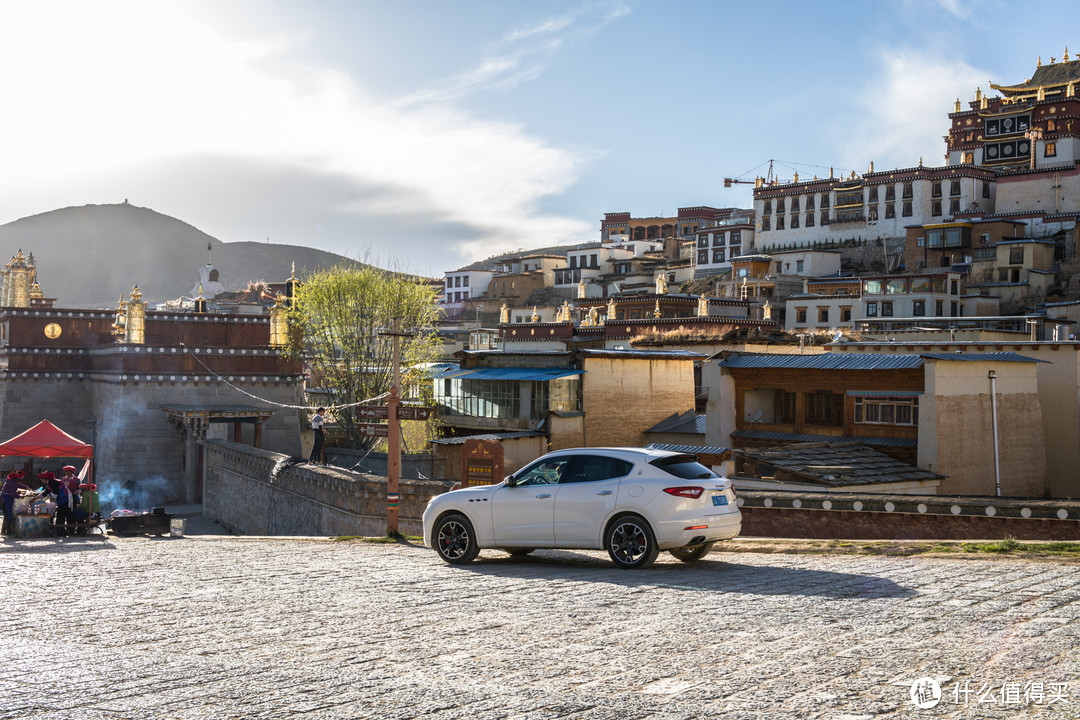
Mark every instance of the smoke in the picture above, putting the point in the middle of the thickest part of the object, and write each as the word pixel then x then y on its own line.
pixel 135 495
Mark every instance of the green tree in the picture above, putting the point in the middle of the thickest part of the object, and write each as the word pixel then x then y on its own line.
pixel 342 314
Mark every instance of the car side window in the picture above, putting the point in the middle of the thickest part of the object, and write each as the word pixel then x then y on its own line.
pixel 545 472
pixel 590 468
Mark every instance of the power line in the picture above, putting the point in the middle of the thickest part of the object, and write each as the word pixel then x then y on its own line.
pixel 272 402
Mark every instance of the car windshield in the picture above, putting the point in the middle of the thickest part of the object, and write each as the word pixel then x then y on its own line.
pixel 683 466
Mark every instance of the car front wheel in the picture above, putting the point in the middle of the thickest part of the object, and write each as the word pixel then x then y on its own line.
pixel 455 540
pixel 692 553
pixel 630 543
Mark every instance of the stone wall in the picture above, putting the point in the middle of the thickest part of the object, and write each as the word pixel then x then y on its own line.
pixel 867 516
pixel 135 441
pixel 239 493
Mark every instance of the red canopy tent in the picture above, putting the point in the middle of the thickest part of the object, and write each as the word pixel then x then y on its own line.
pixel 45 440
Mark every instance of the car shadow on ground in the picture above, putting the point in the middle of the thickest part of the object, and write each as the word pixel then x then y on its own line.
pixel 711 574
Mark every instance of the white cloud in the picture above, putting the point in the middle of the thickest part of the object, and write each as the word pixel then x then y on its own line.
pixel 116 88
pixel 904 110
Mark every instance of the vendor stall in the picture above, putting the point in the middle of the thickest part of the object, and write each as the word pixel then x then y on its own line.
pixel 44 440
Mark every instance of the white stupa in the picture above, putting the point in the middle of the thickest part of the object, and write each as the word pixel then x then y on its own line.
pixel 208 279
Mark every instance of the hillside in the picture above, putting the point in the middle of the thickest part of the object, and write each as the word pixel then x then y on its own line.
pixel 87 256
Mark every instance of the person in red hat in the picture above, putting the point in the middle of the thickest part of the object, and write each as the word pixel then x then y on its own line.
pixel 8 492
pixel 49 484
pixel 71 479
pixel 89 510
pixel 66 502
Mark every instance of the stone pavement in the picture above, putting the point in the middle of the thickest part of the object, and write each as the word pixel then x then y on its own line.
pixel 234 627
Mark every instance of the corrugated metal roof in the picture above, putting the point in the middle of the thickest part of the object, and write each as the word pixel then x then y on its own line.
pixel 514 373
pixel 692 449
pixel 981 357
pixel 826 361
pixel 687 422
pixel 804 437
pixel 487 436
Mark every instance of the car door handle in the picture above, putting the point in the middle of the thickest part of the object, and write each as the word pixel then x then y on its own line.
pixel 544 495
pixel 605 492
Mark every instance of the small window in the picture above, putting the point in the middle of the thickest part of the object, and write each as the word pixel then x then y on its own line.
pixel 794 221
pixel 939 308
pixel 886 308
pixel 890 193
pixel 767 210
pixel 765 223
pixel 795 204
pixel 845 314
pixel 907 209
pixel 873 195
pixel 871 309
pixel 954 188
pixel 684 466
pixel 954 206
pixel 824 200
pixel 918 308
pixel 890 211
pixel 809 219
pixel 800 315
pixel 985 189
pixel 908 193
pixel 798 266
pixel 935 208
pixel 935 190
pixel 823 314
pixel 1050 150
pixel 779 222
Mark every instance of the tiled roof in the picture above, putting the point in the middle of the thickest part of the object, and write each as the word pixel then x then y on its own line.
pixel 836 463
pixel 806 437
pixel 981 357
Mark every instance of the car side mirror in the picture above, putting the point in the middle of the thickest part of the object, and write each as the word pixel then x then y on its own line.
pixel 511 481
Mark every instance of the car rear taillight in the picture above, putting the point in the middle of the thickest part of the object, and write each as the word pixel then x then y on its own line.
pixel 687 491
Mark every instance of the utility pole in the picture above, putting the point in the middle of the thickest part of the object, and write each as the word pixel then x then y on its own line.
pixel 393 435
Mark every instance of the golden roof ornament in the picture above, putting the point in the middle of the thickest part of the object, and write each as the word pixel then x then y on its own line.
pixel 1066 57
pixel 1039 64
pixel 136 294
pixel 535 316
pixel 656 309
pixel 35 291
pixel 293 275
pixel 956 108
pixel 200 291
pixel 279 300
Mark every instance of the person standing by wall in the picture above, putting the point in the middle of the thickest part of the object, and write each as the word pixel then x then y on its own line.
pixel 317 422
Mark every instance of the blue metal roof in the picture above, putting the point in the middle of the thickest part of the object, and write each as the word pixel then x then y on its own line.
pixel 826 361
pixel 515 373
pixel 982 357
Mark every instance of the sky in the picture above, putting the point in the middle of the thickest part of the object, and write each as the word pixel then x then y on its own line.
pixel 426 134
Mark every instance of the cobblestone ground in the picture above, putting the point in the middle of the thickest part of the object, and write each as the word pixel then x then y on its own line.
pixel 226 627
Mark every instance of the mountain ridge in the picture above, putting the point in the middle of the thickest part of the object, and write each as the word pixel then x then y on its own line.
pixel 88 255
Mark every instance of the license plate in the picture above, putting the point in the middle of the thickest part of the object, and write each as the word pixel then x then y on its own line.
pixel 719 499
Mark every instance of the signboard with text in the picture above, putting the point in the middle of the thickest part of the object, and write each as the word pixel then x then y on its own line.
pixel 481 462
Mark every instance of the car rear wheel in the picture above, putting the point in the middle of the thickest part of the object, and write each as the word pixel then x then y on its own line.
pixel 692 553
pixel 518 552
pixel 455 540
pixel 630 543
